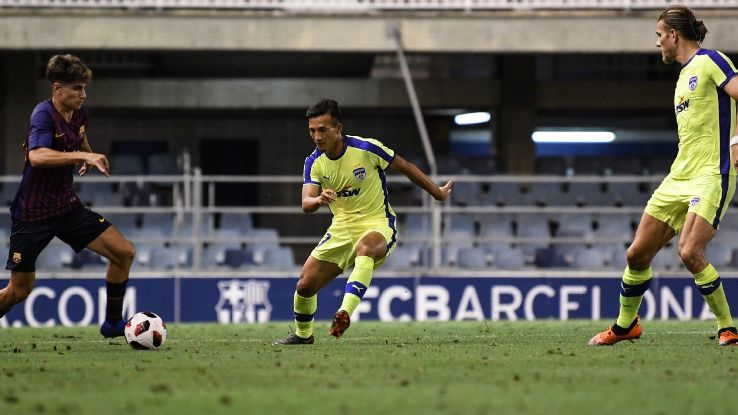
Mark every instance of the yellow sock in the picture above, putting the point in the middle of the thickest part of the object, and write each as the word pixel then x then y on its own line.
pixel 634 285
pixel 711 288
pixel 304 314
pixel 357 284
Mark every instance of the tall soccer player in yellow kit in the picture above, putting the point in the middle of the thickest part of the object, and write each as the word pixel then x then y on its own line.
pixel 693 198
pixel 346 173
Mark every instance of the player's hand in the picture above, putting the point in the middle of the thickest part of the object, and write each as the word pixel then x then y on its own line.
pixel 99 161
pixel 444 191
pixel 84 168
pixel 327 197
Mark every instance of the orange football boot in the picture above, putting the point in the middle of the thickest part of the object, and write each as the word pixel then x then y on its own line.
pixel 608 337
pixel 728 337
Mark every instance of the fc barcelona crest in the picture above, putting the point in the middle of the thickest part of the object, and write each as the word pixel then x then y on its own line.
pixel 16 257
pixel 360 173
pixel 693 83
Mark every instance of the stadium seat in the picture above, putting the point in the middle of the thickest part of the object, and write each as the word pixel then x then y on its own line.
pixel 88 259
pixel 627 194
pixel 460 222
pixel 618 258
pixel 495 226
pixel 162 164
pixel 586 165
pixel 626 166
pixel 575 225
pixel 401 259
pixel 508 258
pixel 457 240
pixel 163 259
pixel 228 235
pixel 551 166
pixel 547 194
pixel 263 237
pixel 416 225
pixel 466 193
pixel 55 257
pixel 549 258
pixel 125 222
pixel 126 164
pixel 239 258
pixel 589 194
pixel 720 254
pixel 589 258
pixel 278 257
pixel 504 194
pixel 533 226
pixel 615 227
pixel 667 259
pixel 239 221
pixel 7 193
pixel 163 222
pixel 214 254
pixel 472 258
pixel 729 222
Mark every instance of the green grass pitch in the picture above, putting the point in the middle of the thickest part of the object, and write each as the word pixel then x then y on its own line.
pixel 377 368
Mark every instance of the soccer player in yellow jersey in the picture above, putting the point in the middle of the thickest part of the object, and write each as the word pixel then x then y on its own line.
pixel 693 198
pixel 346 173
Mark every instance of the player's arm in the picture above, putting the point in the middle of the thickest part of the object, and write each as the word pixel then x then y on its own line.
pixel 313 198
pixel 731 88
pixel 47 157
pixel 85 167
pixel 420 179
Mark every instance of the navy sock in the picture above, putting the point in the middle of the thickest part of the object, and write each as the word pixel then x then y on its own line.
pixel 114 308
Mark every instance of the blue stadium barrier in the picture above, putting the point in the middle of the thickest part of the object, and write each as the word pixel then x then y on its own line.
pixel 79 301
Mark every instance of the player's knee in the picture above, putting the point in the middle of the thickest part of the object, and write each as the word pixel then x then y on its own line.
pixel 125 254
pixel 691 256
pixel 305 288
pixel 19 293
pixel 637 259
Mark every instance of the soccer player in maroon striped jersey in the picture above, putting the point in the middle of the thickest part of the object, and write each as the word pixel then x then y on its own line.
pixel 46 206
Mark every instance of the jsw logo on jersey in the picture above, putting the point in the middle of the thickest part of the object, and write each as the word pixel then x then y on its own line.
pixel 348 192
pixel 682 107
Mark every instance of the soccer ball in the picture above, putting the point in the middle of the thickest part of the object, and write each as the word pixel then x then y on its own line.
pixel 145 331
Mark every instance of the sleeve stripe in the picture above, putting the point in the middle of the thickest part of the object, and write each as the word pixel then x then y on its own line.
pixel 723 64
pixel 367 146
pixel 721 86
pixel 309 165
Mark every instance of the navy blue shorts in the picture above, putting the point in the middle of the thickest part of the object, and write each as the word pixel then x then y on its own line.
pixel 78 228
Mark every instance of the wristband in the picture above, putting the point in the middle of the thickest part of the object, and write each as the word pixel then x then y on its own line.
pixel 734 140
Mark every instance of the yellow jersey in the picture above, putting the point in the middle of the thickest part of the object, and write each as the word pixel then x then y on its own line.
pixel 705 116
pixel 357 176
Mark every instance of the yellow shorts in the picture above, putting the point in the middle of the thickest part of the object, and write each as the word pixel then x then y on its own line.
pixel 706 196
pixel 338 245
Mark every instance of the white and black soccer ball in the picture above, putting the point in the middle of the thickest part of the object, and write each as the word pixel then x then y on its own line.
pixel 146 331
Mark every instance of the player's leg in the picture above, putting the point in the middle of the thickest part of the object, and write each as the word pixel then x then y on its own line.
pixel 370 250
pixel 315 275
pixel 83 228
pixel 651 236
pixel 120 254
pixel 27 240
pixel 697 233
pixel 17 290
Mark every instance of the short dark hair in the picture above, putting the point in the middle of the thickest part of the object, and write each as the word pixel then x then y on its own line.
pixel 67 69
pixel 683 20
pixel 325 106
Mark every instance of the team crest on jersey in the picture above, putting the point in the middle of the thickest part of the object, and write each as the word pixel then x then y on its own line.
pixel 694 201
pixel 17 257
pixel 693 83
pixel 82 130
pixel 360 173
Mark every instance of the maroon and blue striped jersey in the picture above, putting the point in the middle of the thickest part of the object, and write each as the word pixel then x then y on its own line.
pixel 46 192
